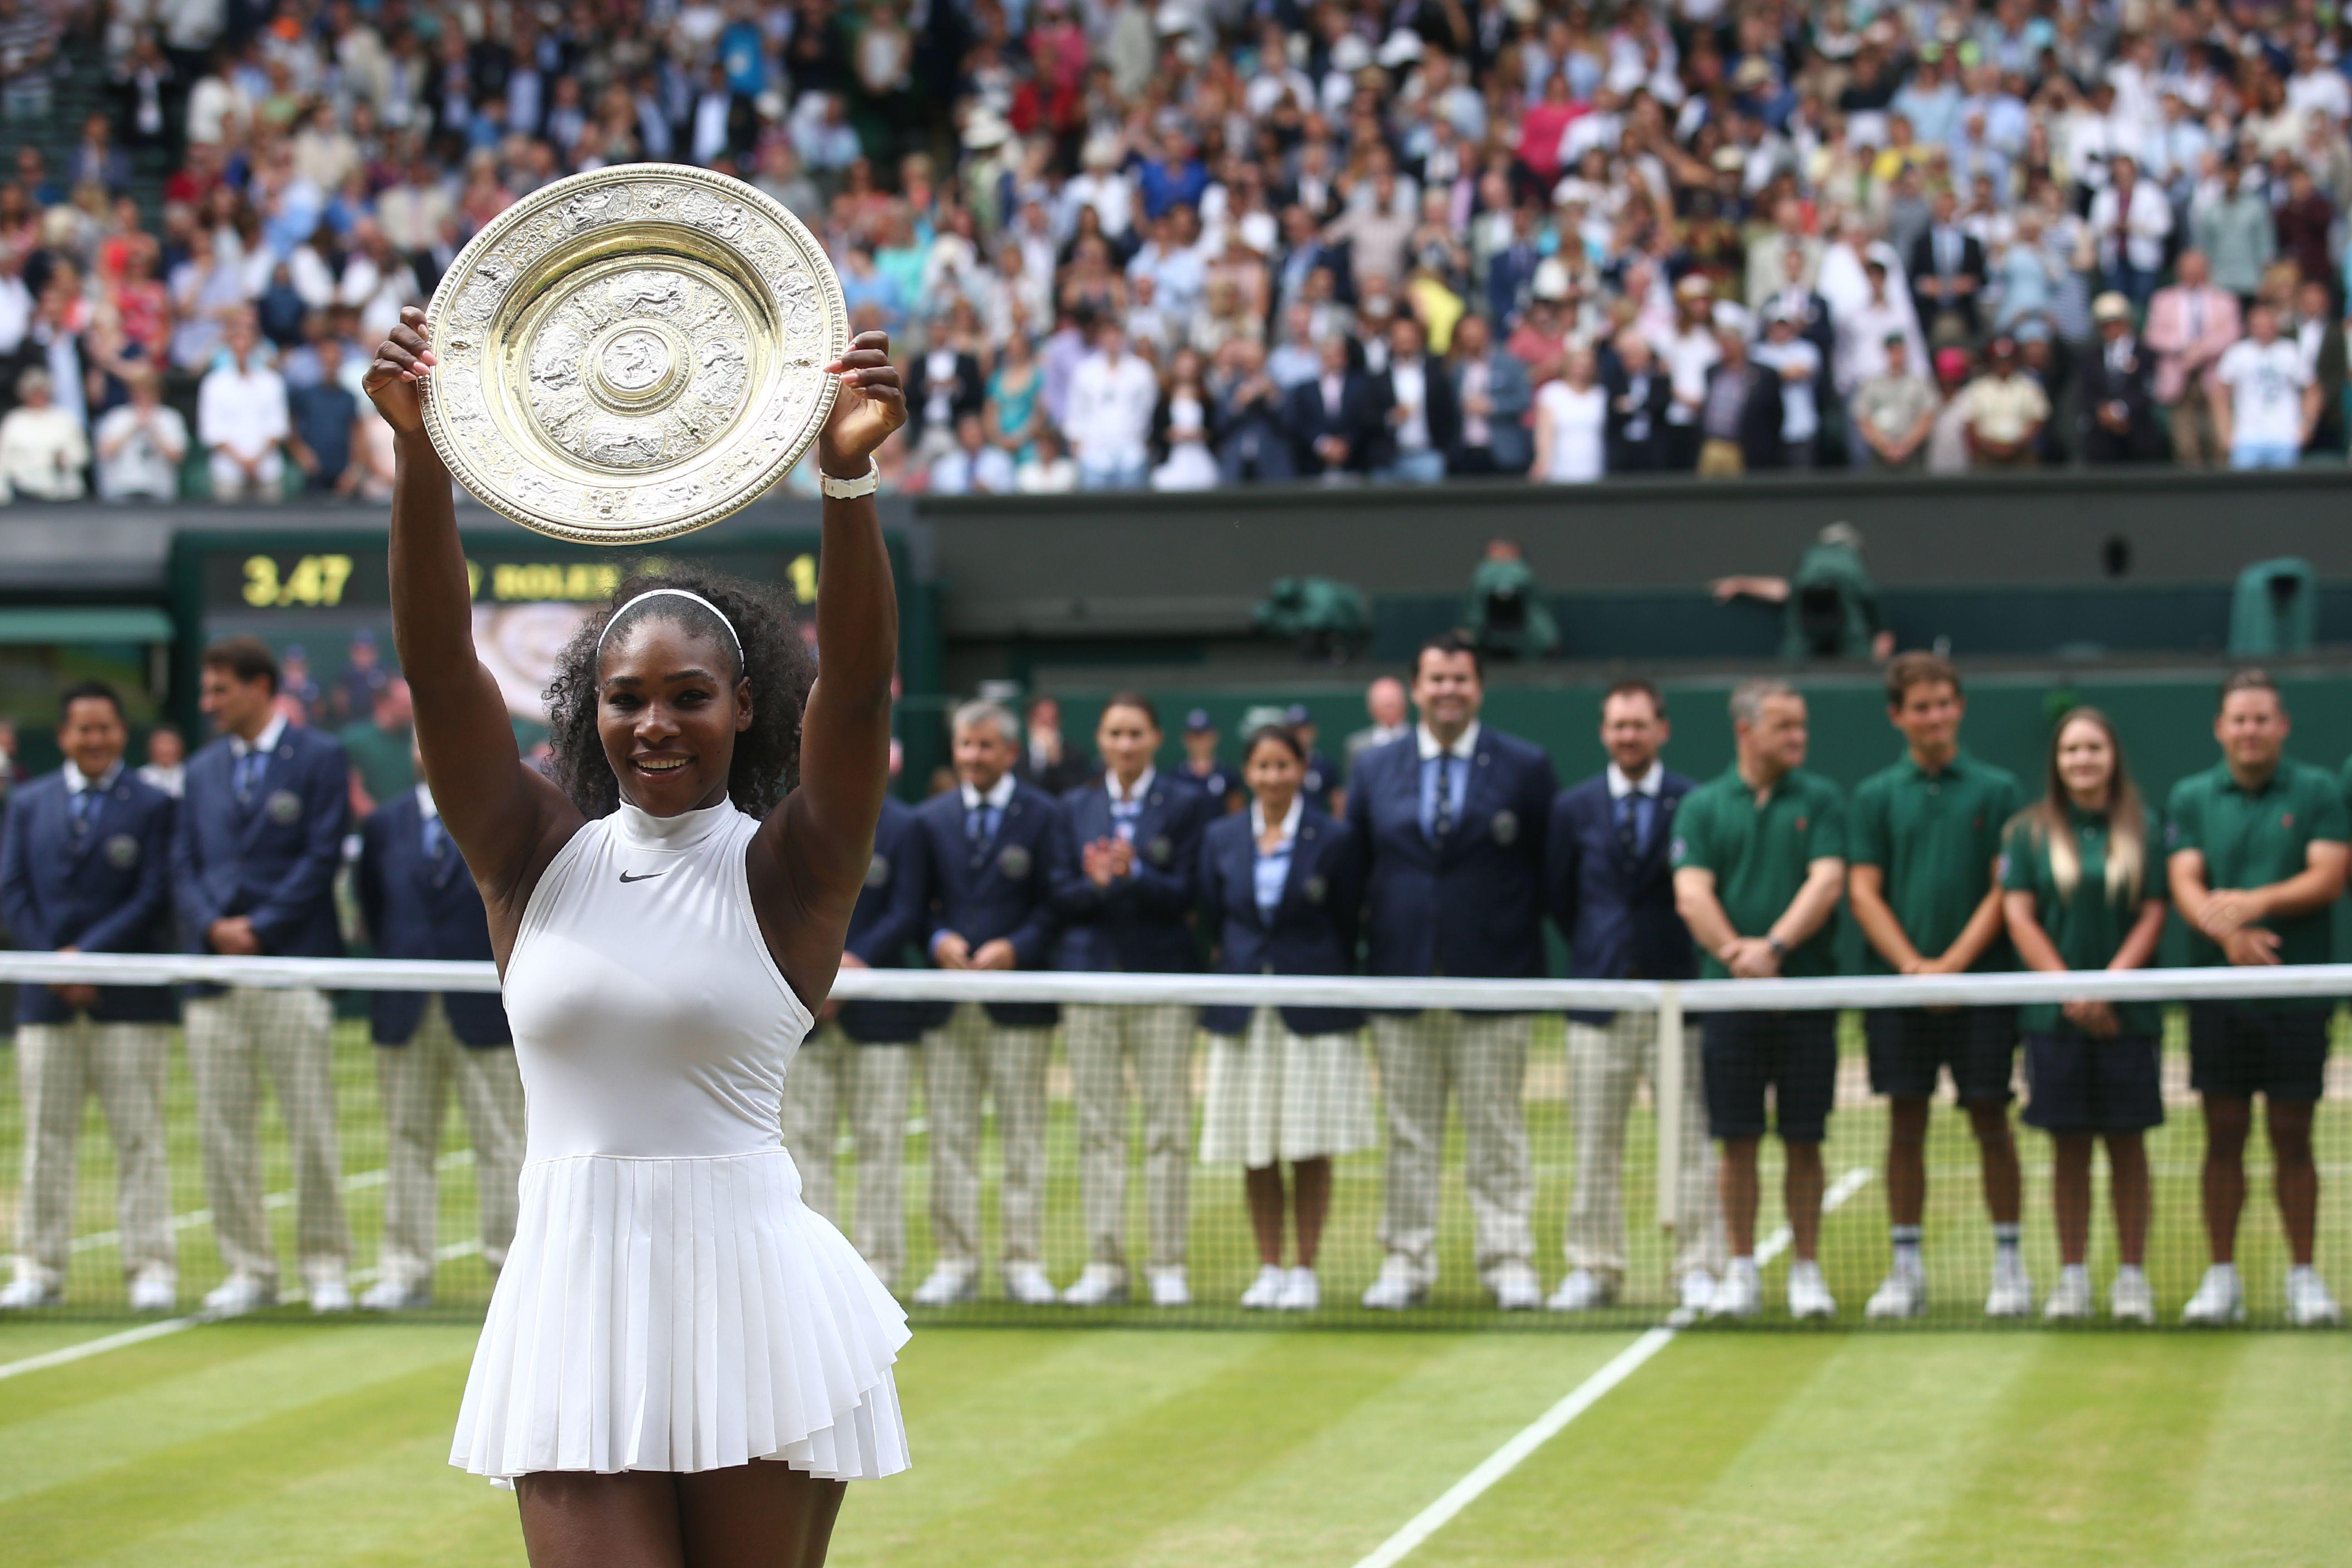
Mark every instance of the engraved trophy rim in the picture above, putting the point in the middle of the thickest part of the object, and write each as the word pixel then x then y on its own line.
pixel 486 489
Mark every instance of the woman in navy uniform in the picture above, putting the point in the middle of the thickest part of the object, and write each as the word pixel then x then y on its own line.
pixel 1280 886
pixel 990 844
pixel 1123 895
pixel 418 900
pixel 85 867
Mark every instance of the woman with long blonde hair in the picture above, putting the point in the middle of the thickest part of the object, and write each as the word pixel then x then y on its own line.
pixel 2083 890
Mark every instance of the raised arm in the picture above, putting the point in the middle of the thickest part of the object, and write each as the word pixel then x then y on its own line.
pixel 505 818
pixel 809 858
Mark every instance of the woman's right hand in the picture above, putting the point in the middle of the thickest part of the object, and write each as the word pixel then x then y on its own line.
pixel 2094 1018
pixel 402 361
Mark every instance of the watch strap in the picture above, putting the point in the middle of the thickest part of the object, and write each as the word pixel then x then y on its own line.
pixel 864 484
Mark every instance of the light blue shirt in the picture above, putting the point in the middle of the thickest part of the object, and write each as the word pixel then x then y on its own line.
pixel 1271 872
pixel 1456 763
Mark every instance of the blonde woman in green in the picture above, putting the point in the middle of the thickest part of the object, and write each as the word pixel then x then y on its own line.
pixel 2082 890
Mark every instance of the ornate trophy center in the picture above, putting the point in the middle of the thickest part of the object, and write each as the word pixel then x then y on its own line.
pixel 635 363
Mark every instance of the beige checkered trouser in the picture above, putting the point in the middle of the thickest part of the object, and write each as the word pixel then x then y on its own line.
pixel 833 1074
pixel 231 1037
pixel 1482 1058
pixel 1159 1039
pixel 59 1067
pixel 415 1080
pixel 958 1057
pixel 1604 1063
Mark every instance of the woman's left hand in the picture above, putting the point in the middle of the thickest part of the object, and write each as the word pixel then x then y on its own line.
pixel 870 405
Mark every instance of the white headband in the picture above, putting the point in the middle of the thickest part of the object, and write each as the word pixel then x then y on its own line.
pixel 678 594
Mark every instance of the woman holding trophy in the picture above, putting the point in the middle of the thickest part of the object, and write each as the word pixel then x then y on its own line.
pixel 682 1364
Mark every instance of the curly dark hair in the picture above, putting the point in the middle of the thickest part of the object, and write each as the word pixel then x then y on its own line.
pixel 782 666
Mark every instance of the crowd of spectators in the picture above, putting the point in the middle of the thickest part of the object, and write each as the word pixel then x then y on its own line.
pixel 1204 242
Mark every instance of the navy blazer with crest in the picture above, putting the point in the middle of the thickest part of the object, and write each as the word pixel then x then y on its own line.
pixel 272 858
pixel 1001 888
pixel 892 915
pixel 1139 922
pixel 106 889
pixel 1472 906
pixel 1313 929
pixel 1616 910
pixel 413 908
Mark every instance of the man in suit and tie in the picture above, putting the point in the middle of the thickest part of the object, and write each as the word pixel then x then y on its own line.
pixel 1123 889
pixel 860 1064
pixel 258 840
pixel 85 867
pixel 1449 824
pixel 2118 413
pixel 1333 418
pixel 1948 273
pixel 993 846
pixel 1612 892
pixel 418 900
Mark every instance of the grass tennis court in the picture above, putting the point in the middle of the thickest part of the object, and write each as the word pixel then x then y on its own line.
pixel 272 1442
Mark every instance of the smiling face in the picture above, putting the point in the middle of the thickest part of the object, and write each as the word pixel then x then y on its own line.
pixel 1273 774
pixel 2252 729
pixel 2087 763
pixel 984 754
pixel 92 735
pixel 1128 739
pixel 668 709
pixel 1929 717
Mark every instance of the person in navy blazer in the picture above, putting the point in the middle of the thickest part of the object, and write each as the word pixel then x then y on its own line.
pixel 991 845
pixel 260 839
pixel 1450 822
pixel 1123 900
pixel 1609 877
pixel 1280 891
pixel 418 900
pixel 860 1063
pixel 85 867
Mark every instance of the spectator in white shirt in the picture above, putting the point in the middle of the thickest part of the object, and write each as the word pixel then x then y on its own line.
pixel 2266 401
pixel 140 444
pixel 972 467
pixel 1048 470
pixel 42 449
pixel 2131 220
pixel 241 419
pixel 1112 395
pixel 1797 362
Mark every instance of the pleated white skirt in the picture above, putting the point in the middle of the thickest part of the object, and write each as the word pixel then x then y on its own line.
pixel 1275 1095
pixel 681 1314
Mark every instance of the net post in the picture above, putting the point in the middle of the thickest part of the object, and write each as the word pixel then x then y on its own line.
pixel 1666 1095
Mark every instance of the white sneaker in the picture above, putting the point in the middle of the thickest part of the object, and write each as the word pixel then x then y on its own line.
pixel 1301 1291
pixel 1809 1293
pixel 947 1285
pixel 1581 1291
pixel 240 1293
pixel 2218 1300
pixel 1265 1292
pixel 1903 1294
pixel 1514 1286
pixel 2071 1301
pixel 1097 1285
pixel 328 1290
pixel 155 1289
pixel 2308 1304
pixel 1171 1288
pixel 1740 1293
pixel 2129 1299
pixel 1697 1291
pixel 2011 1295
pixel 1026 1283
pixel 27 1291
pixel 395 1296
pixel 1398 1287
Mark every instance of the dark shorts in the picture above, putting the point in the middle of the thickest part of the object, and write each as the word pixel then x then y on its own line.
pixel 1793 1055
pixel 2078 1085
pixel 1910 1046
pixel 2241 1052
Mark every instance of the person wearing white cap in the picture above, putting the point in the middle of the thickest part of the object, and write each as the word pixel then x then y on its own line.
pixel 2118 408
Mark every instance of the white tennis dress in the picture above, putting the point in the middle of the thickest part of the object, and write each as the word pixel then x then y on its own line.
pixel 668 1303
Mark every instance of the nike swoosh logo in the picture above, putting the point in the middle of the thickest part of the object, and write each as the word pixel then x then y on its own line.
pixel 642 876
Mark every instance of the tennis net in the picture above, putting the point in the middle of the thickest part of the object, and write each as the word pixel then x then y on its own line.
pixel 1138 1149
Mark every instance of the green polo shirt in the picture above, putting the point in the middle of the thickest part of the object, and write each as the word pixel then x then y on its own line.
pixel 1760 851
pixel 2088 925
pixel 1934 837
pixel 2252 839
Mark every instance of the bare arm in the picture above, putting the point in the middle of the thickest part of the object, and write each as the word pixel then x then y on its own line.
pixel 1983 926
pixel 2034 948
pixel 809 858
pixel 505 818
pixel 1815 902
pixel 1865 888
pixel 1702 912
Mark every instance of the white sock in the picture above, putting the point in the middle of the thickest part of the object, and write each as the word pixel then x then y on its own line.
pixel 2074 1274
pixel 2297 1273
pixel 2129 1271
pixel 2226 1272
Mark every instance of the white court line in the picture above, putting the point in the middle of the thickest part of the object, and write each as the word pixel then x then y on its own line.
pixel 1584 1397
